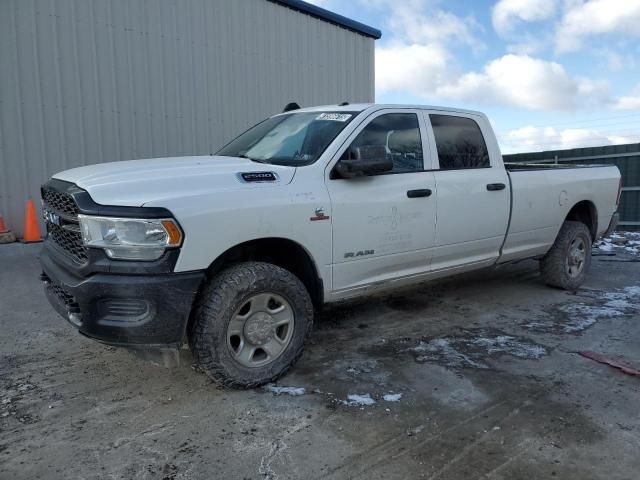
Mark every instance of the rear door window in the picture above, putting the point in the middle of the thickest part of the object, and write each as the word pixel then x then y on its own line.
pixel 459 142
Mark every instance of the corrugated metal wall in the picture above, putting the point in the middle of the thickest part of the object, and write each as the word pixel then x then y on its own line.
pixel 625 157
pixel 91 81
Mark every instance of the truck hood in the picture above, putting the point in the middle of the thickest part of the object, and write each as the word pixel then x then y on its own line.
pixel 136 182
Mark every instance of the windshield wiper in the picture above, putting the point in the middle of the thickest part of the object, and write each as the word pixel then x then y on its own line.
pixel 257 160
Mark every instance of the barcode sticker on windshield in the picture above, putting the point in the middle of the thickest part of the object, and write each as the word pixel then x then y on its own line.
pixel 335 117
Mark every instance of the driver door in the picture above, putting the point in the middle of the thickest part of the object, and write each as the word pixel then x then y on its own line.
pixel 384 225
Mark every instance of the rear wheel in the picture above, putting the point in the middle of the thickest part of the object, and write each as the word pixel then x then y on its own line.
pixel 567 263
pixel 250 324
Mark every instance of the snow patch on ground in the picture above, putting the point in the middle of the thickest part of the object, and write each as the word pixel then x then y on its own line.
pixel 605 246
pixel 441 350
pixel 392 397
pixel 511 345
pixel 576 317
pixel 470 349
pixel 293 391
pixel 634 290
pixel 581 316
pixel 628 242
pixel 358 400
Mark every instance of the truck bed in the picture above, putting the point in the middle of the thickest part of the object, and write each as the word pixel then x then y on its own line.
pixel 540 202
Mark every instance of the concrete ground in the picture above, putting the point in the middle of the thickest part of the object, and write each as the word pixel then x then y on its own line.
pixel 473 377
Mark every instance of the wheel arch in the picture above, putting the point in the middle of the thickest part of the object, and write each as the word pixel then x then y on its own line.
pixel 585 212
pixel 283 252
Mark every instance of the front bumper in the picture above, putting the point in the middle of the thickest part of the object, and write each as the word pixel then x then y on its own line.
pixel 121 309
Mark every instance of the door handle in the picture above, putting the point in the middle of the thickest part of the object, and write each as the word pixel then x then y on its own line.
pixel 492 187
pixel 424 192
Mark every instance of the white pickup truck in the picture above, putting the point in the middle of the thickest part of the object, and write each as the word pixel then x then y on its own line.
pixel 232 252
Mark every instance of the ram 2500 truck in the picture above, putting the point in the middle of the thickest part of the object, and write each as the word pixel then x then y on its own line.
pixel 232 253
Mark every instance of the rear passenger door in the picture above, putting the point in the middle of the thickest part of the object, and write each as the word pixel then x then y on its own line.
pixel 473 196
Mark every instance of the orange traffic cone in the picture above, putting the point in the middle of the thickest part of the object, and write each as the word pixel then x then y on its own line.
pixel 31 227
pixel 6 235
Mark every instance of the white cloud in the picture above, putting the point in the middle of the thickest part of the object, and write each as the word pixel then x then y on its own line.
pixel 592 91
pixel 523 81
pixel 628 102
pixel 517 80
pixel 418 58
pixel 527 139
pixel 418 69
pixel 513 80
pixel 437 26
pixel 508 13
pixel 581 20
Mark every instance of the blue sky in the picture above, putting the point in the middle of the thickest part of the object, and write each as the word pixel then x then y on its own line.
pixel 548 73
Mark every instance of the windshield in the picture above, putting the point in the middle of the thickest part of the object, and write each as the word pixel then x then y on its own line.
pixel 291 139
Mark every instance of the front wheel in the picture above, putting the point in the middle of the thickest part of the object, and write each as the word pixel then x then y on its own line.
pixel 250 324
pixel 567 263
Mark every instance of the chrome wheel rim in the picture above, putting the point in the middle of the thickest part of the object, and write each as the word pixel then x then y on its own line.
pixel 576 257
pixel 260 329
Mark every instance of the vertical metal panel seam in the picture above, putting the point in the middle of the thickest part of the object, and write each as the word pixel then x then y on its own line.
pixel 260 61
pixel 38 92
pixel 79 83
pixel 144 43
pixel 205 74
pixel 129 43
pixel 4 211
pixel 195 105
pixel 19 100
pixel 4 157
pixel 58 81
pixel 229 69
pixel 93 22
pixel 177 124
pixel 114 84
pixel 213 121
pixel 372 69
pixel 164 34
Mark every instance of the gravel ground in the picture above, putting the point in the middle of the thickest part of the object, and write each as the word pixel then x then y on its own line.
pixel 473 377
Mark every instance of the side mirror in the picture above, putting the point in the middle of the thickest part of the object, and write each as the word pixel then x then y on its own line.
pixel 364 160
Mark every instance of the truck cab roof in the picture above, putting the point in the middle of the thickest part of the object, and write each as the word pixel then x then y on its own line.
pixel 360 107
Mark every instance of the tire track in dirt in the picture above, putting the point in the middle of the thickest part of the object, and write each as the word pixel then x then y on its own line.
pixel 400 450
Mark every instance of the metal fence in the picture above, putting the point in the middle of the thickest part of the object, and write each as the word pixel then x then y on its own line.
pixel 625 157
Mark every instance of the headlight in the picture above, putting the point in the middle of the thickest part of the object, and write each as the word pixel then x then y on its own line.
pixel 130 238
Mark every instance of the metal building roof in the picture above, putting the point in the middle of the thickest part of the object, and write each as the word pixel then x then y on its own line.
pixel 331 17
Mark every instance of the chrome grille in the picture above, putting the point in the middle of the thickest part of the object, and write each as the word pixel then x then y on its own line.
pixel 65 232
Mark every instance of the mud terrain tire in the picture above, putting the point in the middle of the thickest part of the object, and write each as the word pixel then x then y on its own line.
pixel 233 317
pixel 567 263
